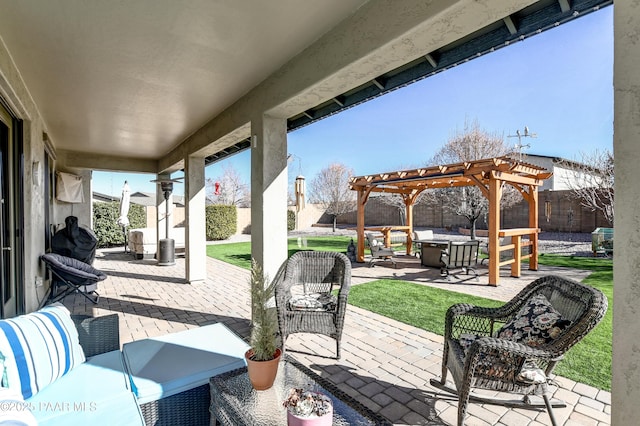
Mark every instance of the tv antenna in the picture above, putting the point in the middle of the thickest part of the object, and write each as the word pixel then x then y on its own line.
pixel 519 147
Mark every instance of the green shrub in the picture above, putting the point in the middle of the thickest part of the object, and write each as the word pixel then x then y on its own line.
pixel 105 215
pixel 291 220
pixel 222 221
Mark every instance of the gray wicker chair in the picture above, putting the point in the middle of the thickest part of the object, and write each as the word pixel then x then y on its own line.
pixel 303 294
pixel 496 363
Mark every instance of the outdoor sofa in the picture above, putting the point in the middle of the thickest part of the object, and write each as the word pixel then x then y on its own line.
pixel 63 370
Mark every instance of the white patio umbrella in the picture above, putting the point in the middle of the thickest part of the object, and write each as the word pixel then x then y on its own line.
pixel 123 220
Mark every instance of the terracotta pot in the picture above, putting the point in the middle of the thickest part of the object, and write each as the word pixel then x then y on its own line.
pixel 262 374
pixel 325 420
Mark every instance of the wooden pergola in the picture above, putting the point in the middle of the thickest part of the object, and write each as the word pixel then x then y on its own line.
pixel 489 175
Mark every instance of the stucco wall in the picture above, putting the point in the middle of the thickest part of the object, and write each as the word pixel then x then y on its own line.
pixel 626 274
pixel 15 94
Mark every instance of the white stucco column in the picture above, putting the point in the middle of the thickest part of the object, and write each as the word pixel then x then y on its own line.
pixel 195 232
pixel 626 273
pixel 161 208
pixel 269 192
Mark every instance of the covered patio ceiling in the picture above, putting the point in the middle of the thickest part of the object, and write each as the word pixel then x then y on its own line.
pixel 489 175
pixel 135 80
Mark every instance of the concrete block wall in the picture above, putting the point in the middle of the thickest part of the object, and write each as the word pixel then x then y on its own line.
pixel 435 216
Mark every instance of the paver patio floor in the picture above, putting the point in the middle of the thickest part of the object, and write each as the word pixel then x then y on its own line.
pixel 386 364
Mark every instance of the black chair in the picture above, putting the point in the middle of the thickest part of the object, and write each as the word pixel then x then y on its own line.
pixel 71 275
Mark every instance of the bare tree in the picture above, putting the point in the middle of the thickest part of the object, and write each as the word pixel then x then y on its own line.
pixel 228 189
pixel 474 143
pixel 330 188
pixel 591 180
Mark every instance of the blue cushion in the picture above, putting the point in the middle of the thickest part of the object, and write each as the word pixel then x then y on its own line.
pixel 163 366
pixel 94 393
pixel 38 348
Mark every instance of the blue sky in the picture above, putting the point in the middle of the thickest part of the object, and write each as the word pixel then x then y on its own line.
pixel 558 83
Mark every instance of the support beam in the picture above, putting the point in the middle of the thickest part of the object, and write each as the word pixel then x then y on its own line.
pixel 495 194
pixel 533 223
pixel 195 231
pixel 432 61
pixel 362 201
pixel 511 26
pixel 408 203
pixel 269 192
pixel 564 5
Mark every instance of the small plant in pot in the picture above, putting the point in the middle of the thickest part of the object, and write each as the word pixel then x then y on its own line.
pixel 307 408
pixel 264 355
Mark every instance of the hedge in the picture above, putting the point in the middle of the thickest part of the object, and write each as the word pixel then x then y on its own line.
pixel 105 215
pixel 222 221
pixel 291 220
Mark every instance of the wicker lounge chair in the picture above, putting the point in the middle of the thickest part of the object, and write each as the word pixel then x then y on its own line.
pixel 303 295
pixel 512 348
pixel 379 251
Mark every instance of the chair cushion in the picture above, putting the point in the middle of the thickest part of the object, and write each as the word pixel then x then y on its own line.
pixel 536 323
pixel 313 302
pixel 529 373
pixel 96 393
pixel 38 348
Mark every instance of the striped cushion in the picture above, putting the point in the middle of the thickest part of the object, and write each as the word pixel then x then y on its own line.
pixel 38 348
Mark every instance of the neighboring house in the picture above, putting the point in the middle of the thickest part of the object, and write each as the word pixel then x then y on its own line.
pixel 562 175
pixel 98 197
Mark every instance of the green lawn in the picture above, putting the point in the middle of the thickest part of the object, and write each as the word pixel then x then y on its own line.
pixel 239 254
pixel 424 307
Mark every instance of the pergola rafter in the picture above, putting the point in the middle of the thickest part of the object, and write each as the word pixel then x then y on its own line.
pixel 490 175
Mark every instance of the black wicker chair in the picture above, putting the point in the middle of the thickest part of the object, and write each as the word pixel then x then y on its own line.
pixel 303 294
pixel 496 360
pixel 70 276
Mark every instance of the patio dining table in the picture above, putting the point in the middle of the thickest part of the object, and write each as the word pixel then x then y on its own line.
pixel 430 251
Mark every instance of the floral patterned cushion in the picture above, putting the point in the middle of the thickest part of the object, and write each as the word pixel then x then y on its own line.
pixel 313 302
pixel 537 323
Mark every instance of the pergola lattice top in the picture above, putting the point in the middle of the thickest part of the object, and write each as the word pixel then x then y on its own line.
pixel 458 174
pixel 487 174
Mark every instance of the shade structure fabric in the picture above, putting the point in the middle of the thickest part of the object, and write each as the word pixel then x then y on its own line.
pixel 125 202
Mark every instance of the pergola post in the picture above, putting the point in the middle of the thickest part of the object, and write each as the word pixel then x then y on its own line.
pixel 362 200
pixel 408 202
pixel 495 194
pixel 533 223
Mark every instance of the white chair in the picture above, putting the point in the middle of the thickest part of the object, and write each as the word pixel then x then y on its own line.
pixel 379 251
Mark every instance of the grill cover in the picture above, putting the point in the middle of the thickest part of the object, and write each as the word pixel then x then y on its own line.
pixel 75 241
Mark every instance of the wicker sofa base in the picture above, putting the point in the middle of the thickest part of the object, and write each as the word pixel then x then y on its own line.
pixel 188 408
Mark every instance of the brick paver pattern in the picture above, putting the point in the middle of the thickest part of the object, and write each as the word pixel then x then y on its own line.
pixel 386 365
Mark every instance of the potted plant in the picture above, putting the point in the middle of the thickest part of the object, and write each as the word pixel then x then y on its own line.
pixel 264 355
pixel 306 408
